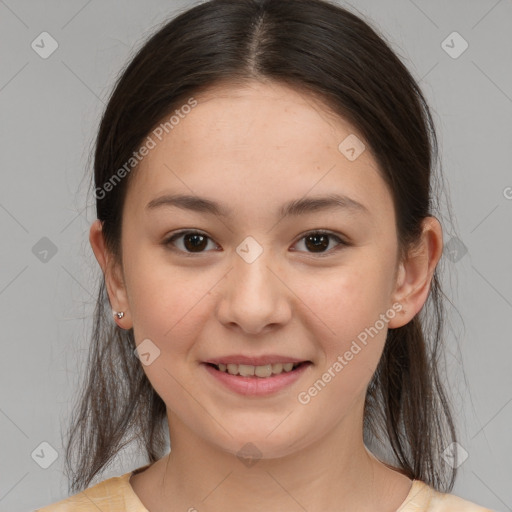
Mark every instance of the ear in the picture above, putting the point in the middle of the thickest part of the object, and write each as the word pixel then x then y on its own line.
pixel 113 275
pixel 415 273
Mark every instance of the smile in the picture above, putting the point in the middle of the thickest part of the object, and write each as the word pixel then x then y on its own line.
pixel 263 371
pixel 256 380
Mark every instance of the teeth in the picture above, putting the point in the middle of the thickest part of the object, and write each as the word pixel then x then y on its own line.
pixel 247 370
pixel 277 368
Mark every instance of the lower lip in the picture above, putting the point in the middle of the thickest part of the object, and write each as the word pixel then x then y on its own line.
pixel 257 386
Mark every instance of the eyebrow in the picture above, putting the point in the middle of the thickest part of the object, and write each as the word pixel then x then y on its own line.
pixel 292 208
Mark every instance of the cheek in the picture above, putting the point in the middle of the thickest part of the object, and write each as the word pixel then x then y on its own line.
pixel 164 304
pixel 351 355
pixel 169 309
pixel 352 298
pixel 350 307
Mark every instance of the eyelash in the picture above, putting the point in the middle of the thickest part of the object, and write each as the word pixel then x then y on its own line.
pixel 341 243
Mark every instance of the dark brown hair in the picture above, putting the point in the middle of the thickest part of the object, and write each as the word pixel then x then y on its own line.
pixel 330 53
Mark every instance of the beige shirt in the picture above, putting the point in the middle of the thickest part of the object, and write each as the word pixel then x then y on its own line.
pixel 117 495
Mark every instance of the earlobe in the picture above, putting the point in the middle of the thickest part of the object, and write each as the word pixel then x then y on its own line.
pixel 415 273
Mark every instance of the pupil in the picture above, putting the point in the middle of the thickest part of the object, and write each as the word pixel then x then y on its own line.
pixel 320 241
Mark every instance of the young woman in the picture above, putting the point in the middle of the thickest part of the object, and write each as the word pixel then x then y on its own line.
pixel 271 303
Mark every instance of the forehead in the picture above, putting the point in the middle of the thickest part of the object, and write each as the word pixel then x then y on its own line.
pixel 261 141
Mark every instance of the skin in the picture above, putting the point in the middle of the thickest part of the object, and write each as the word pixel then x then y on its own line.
pixel 253 148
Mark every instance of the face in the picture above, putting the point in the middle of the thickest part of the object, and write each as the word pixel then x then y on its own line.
pixel 254 282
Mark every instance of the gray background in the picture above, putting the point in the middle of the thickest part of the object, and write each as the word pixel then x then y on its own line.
pixel 50 109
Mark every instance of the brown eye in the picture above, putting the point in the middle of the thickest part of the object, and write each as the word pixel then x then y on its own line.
pixel 318 242
pixel 192 241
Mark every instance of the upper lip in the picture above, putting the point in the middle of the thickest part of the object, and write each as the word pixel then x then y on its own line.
pixel 255 361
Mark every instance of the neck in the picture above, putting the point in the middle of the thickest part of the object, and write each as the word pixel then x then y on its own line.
pixel 336 472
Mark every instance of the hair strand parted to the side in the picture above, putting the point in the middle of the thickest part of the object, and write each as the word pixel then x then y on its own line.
pixel 329 52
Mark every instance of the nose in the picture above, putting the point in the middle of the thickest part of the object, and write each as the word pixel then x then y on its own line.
pixel 254 296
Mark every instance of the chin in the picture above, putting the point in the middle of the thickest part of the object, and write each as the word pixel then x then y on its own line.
pixel 257 444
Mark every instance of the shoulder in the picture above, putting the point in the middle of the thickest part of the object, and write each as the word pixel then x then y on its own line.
pixel 444 502
pixel 112 495
pixel 424 498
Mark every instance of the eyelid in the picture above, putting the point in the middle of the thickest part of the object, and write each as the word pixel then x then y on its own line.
pixel 341 241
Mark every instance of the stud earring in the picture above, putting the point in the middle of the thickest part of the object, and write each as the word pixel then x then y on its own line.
pixel 119 314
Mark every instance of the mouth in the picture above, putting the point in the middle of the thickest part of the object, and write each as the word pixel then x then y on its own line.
pixel 256 377
pixel 261 371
